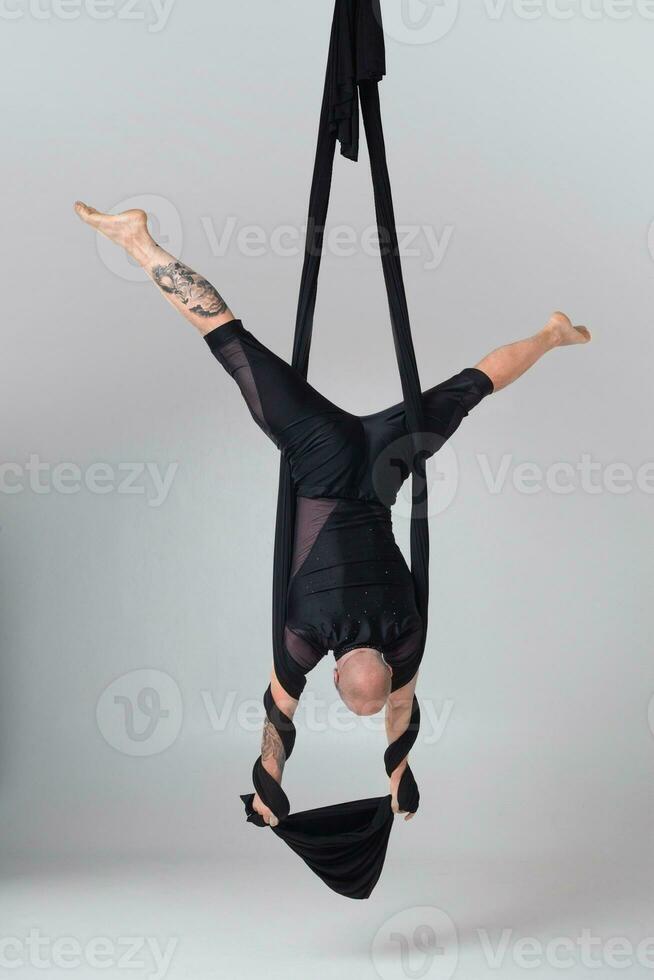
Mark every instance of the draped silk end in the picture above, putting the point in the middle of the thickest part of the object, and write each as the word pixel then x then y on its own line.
pixel 344 845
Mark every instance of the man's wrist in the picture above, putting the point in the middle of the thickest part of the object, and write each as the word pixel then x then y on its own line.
pixel 273 769
pixel 273 756
pixel 398 772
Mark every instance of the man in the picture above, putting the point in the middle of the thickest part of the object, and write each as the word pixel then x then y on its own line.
pixel 351 591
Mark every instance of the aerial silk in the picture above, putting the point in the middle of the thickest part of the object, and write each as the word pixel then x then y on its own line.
pixel 345 845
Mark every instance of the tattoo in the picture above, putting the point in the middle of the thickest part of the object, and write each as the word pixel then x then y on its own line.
pixel 271 746
pixel 190 288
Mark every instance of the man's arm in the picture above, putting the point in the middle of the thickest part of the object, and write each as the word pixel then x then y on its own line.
pixel 273 757
pixel 398 715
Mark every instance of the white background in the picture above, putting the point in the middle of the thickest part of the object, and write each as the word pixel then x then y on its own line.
pixel 531 140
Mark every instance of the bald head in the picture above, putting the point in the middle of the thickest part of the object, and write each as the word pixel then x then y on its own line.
pixel 363 680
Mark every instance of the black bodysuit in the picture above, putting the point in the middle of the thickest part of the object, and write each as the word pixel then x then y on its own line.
pixel 350 585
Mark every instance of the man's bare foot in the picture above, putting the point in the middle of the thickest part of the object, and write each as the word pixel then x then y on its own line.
pixel 129 229
pixel 563 333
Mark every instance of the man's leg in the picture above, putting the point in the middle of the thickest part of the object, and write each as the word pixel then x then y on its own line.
pixel 285 405
pixel 191 294
pixel 275 393
pixel 507 364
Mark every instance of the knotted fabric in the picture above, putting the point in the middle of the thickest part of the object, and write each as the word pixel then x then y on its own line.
pixel 345 845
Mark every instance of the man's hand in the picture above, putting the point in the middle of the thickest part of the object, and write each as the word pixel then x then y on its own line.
pixel 259 807
pixel 395 783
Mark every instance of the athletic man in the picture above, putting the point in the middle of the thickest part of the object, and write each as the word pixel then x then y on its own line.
pixel 351 591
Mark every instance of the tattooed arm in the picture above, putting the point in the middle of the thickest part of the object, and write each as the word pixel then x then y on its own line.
pixel 398 716
pixel 273 757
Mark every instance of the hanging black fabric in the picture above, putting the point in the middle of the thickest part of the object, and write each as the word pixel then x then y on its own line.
pixel 346 845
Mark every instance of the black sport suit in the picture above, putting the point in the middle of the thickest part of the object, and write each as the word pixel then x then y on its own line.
pixel 350 585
